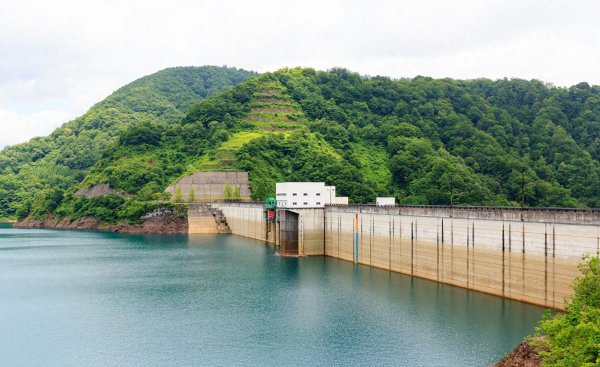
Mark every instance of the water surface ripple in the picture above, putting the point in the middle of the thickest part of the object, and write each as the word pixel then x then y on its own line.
pixel 72 298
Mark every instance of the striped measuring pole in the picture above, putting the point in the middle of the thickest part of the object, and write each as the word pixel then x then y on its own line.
pixel 356 239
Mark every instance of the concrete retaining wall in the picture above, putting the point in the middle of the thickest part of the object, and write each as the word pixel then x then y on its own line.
pixel 211 185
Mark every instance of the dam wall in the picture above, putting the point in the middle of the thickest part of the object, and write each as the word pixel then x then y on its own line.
pixel 528 255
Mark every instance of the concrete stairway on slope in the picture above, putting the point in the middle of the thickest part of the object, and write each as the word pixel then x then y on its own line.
pixel 202 218
pixel 222 225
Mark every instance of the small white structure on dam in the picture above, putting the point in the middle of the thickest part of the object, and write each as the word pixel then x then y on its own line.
pixel 306 195
pixel 385 201
pixel 340 200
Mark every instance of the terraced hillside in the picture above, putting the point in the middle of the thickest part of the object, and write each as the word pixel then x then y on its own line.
pixel 270 111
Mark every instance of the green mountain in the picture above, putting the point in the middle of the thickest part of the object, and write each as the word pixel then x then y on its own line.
pixel 422 140
pixel 52 164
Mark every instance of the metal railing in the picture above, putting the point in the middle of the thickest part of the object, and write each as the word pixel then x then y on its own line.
pixel 478 208
pixel 410 206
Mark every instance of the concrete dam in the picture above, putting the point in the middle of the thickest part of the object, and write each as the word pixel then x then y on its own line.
pixel 527 254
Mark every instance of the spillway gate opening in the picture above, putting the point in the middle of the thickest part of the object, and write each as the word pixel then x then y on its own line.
pixel 288 233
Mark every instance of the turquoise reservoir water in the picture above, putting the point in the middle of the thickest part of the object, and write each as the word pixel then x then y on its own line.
pixel 72 298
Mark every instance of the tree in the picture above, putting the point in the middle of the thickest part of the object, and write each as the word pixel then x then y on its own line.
pixel 573 339
pixel 178 196
pixel 236 193
pixel 143 133
pixel 227 192
pixel 192 195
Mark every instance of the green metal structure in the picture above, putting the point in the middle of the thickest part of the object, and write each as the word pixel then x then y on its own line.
pixel 270 203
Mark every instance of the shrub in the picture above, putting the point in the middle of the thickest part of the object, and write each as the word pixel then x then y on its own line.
pixel 573 339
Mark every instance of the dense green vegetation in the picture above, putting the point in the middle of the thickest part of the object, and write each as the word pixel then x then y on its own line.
pixel 438 141
pixel 472 140
pixel 422 140
pixel 573 339
pixel 37 174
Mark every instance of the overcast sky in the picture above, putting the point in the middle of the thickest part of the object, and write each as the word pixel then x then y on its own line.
pixel 58 58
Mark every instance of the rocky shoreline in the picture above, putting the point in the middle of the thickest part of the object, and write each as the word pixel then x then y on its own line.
pixel 524 355
pixel 166 224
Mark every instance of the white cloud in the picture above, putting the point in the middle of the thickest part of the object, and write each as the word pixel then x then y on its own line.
pixel 68 55
pixel 17 127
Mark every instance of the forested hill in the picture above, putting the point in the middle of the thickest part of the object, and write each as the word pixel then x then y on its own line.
pixel 422 140
pixel 428 141
pixel 62 159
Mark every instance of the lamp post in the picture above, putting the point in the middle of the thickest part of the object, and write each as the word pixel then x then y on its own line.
pixel 523 189
pixel 451 189
pixel 522 194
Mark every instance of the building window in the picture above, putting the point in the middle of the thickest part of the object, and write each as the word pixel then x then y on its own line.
pixel 318 194
pixel 305 194
pixel 294 194
pixel 281 194
pixel 294 203
pixel 305 203
pixel 318 203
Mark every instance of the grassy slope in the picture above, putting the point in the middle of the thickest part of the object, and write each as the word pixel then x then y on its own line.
pixel 374 161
